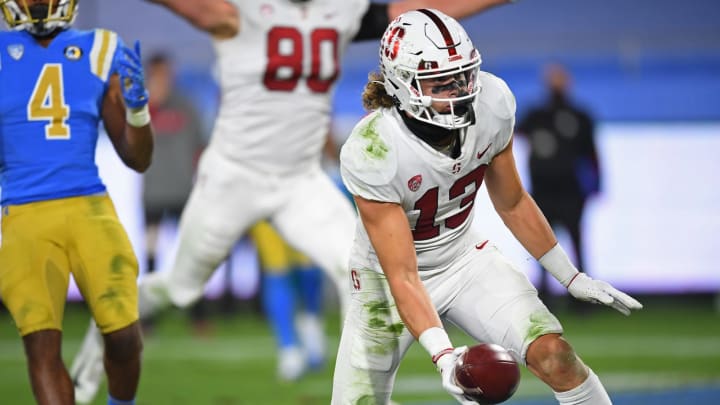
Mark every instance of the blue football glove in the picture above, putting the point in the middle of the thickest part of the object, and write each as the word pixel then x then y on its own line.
pixel 132 80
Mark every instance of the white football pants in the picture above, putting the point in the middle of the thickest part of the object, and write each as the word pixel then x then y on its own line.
pixel 307 210
pixel 480 292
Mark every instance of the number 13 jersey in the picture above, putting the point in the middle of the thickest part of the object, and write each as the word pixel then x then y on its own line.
pixel 383 161
pixel 277 77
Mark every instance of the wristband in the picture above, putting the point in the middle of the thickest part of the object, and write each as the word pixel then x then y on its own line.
pixel 556 262
pixel 138 117
pixel 436 341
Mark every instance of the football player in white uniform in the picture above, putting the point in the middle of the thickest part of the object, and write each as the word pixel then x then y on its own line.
pixel 279 61
pixel 439 128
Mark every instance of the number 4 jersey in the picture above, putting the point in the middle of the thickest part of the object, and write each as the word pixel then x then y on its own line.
pixel 383 161
pixel 50 108
pixel 277 77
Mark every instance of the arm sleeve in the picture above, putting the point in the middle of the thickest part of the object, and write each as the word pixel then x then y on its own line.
pixel 374 22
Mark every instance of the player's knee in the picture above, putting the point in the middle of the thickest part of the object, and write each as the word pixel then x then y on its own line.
pixel 124 345
pixel 551 356
pixel 43 347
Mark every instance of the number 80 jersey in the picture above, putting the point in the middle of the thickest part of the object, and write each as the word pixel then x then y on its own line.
pixel 50 108
pixel 277 76
pixel 383 160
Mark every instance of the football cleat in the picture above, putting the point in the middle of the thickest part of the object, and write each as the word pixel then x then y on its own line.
pixel 312 337
pixel 291 363
pixel 87 370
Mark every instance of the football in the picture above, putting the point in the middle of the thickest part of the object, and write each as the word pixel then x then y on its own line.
pixel 487 373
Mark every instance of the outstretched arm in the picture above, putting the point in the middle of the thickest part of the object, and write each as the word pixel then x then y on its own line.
pixel 525 220
pixel 217 17
pixel 456 9
pixel 389 232
pixel 515 206
pixel 125 112
pixel 379 15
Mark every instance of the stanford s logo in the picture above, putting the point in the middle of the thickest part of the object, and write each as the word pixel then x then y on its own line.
pixel 391 44
pixel 355 279
pixel 415 182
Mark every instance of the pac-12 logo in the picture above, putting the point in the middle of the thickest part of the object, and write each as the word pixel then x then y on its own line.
pixel 415 182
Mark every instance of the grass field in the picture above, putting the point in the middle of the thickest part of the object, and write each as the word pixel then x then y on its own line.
pixel 668 352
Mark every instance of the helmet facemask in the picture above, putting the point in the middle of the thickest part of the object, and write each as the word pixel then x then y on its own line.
pixel 455 111
pixel 428 46
pixel 40 20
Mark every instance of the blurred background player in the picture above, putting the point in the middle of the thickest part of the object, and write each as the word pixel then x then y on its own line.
pixel 167 183
pixel 563 162
pixel 58 84
pixel 278 63
pixel 439 129
pixel 289 278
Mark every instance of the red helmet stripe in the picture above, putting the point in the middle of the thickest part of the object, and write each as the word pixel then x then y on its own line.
pixel 443 30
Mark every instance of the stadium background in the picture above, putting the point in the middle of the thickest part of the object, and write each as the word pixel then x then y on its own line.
pixel 649 70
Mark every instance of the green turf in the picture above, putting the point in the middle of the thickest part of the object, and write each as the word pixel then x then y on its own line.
pixel 670 343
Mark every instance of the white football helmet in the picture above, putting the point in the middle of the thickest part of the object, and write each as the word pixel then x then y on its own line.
pixel 39 20
pixel 424 44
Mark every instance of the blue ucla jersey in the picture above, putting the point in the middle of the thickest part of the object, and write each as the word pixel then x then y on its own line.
pixel 50 108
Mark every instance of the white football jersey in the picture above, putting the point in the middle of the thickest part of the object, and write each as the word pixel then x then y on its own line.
pixel 383 161
pixel 277 77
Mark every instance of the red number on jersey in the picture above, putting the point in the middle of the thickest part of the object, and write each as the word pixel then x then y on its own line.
pixel 285 56
pixel 425 227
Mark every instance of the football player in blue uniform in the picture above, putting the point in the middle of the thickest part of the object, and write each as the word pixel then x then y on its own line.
pixel 57 84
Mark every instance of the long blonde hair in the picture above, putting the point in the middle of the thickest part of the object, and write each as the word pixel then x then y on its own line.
pixel 374 95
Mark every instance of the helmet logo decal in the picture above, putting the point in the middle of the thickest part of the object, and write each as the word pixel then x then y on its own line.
pixel 427 65
pixel 415 182
pixel 391 44
pixel 444 31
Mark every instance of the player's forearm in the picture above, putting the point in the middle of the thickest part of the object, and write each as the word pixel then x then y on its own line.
pixel 413 304
pixel 529 226
pixel 216 17
pixel 455 9
pixel 137 149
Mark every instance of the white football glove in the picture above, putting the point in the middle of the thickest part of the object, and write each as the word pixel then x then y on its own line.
pixel 446 366
pixel 585 288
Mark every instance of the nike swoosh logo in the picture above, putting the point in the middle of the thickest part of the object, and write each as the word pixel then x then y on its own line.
pixel 481 154
pixel 480 246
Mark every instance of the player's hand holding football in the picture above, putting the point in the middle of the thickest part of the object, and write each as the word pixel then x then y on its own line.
pixel 584 288
pixel 132 78
pixel 446 365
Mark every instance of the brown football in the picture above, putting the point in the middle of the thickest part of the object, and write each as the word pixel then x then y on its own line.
pixel 487 373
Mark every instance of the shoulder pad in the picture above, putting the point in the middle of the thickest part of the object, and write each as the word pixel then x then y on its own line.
pixel 496 95
pixel 369 154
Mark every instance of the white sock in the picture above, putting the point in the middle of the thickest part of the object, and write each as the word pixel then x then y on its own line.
pixel 590 392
